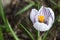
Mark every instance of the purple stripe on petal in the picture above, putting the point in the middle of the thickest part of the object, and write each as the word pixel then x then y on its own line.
pixel 47 14
pixel 35 18
pixel 50 14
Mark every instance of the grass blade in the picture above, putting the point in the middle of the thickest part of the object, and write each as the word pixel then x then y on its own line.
pixel 6 22
pixel 45 35
pixel 11 30
pixel 52 2
pixel 27 31
pixel 1 34
pixel 25 8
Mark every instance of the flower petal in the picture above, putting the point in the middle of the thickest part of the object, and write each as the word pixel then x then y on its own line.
pixel 33 13
pixel 41 26
pixel 50 22
pixel 44 11
pixel 52 13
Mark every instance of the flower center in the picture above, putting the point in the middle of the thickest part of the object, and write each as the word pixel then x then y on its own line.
pixel 41 18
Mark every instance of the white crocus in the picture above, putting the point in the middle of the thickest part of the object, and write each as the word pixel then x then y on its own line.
pixel 42 19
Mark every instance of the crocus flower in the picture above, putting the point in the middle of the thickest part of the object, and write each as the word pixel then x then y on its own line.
pixel 42 19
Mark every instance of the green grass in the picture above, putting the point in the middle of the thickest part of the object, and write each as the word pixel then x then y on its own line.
pixel 7 25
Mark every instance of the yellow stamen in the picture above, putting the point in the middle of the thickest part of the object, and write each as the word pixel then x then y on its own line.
pixel 41 18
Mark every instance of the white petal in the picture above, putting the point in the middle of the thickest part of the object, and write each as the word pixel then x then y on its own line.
pixel 33 13
pixel 52 13
pixel 50 22
pixel 36 17
pixel 41 26
pixel 41 12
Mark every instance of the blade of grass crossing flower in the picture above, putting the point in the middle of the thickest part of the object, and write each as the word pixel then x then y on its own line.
pixel 38 32
pixel 27 31
pixel 6 22
pixel 1 34
pixel 25 8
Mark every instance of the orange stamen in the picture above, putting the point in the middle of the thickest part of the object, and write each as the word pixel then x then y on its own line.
pixel 41 18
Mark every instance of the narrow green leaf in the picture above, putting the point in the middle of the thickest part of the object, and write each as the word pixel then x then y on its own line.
pixel 27 31
pixel 1 34
pixel 6 22
pixel 52 2
pixel 38 4
pixel 11 30
pixel 45 35
pixel 25 8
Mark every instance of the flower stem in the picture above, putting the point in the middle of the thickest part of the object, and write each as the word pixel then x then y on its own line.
pixel 39 37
